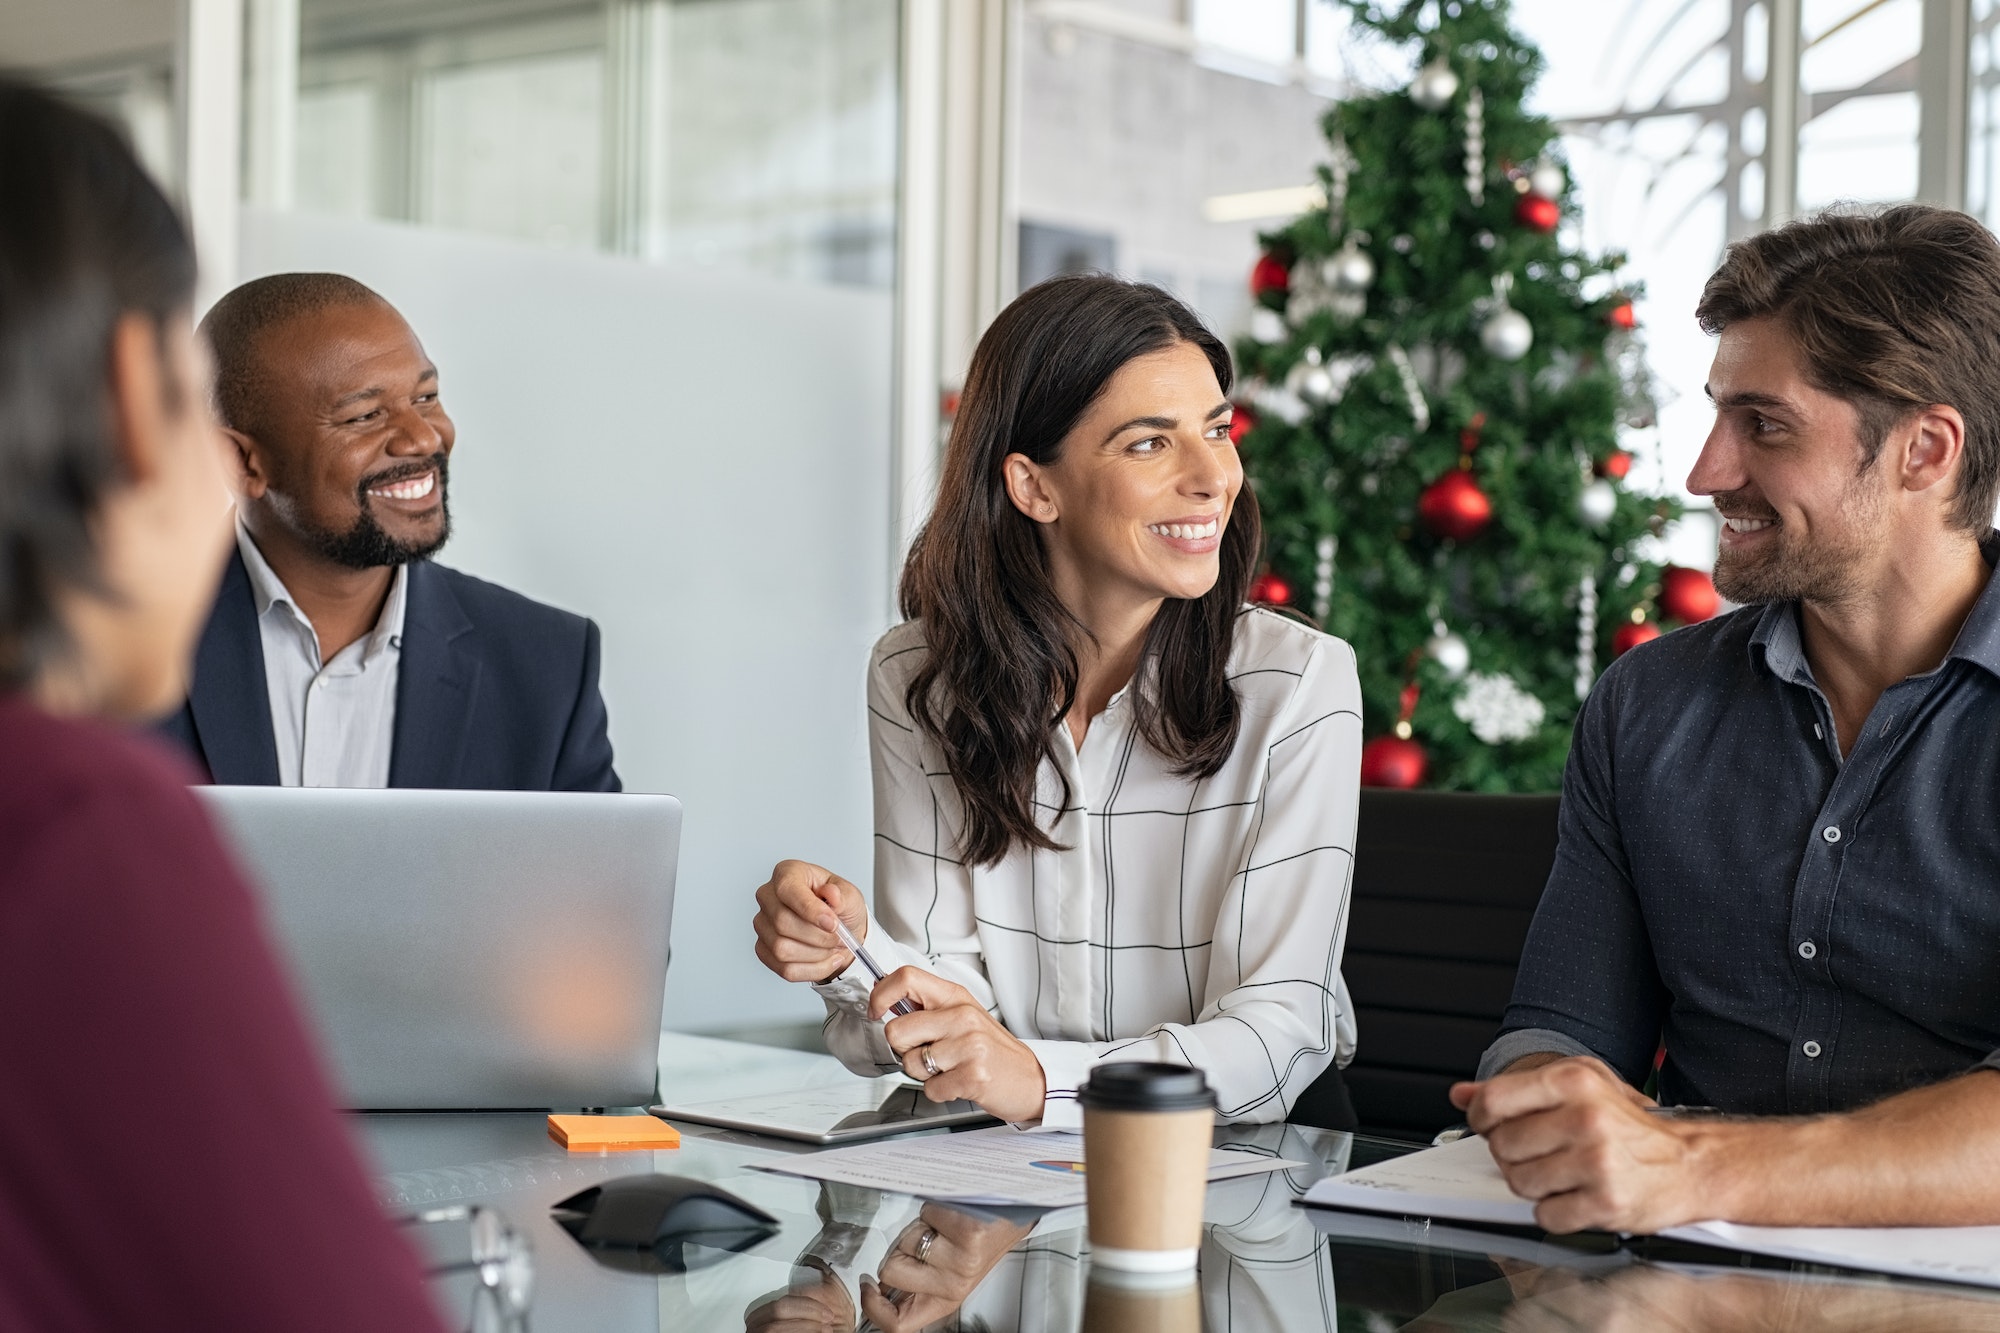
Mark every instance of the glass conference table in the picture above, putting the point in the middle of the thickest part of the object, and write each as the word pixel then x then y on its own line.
pixel 1266 1263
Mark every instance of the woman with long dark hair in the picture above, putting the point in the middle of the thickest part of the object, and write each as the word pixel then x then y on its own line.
pixel 1114 807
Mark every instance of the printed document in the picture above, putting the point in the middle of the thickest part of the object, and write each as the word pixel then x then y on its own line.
pixel 1458 1182
pixel 998 1167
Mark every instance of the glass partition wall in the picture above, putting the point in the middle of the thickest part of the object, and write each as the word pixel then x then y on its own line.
pixel 749 134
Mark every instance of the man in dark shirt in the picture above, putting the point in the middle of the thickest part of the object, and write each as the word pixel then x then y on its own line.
pixel 1779 858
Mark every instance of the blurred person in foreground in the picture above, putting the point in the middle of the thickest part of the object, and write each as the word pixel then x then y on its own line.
pixel 169 1153
pixel 1114 804
pixel 339 653
pixel 1779 854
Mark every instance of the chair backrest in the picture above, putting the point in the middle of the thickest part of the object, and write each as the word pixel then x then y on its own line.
pixel 1445 884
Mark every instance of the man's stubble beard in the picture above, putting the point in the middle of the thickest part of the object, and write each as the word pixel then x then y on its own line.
pixel 1825 569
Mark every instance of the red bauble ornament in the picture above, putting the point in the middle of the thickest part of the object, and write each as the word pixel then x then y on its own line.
pixel 1271 277
pixel 1267 589
pixel 1688 595
pixel 1617 466
pixel 1624 316
pixel 1241 422
pixel 1538 212
pixel 1631 634
pixel 1453 506
pixel 1391 761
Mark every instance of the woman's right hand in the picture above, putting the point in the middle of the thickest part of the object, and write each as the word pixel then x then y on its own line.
pixel 794 923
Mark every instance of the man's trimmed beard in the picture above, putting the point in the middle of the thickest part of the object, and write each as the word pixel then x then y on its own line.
pixel 1824 569
pixel 365 545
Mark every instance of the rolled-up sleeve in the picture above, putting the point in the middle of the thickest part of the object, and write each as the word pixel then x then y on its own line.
pixel 1588 983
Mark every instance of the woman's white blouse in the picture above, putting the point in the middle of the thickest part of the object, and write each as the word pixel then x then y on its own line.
pixel 1194 921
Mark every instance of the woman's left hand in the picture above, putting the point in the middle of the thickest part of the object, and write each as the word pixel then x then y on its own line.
pixel 973 1056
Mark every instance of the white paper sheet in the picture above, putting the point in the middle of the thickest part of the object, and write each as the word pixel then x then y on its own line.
pixel 1000 1166
pixel 1458 1182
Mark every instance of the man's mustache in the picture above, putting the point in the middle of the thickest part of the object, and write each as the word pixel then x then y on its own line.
pixel 389 476
pixel 1738 504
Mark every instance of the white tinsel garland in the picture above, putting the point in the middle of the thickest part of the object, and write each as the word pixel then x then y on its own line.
pixel 1475 146
pixel 1339 168
pixel 1323 577
pixel 1586 634
pixel 1420 408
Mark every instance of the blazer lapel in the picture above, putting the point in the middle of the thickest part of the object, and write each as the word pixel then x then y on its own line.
pixel 229 698
pixel 436 683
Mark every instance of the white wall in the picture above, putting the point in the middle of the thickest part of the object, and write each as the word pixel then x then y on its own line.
pixel 700 463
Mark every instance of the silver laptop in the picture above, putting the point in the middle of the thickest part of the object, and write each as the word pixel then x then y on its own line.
pixel 466 950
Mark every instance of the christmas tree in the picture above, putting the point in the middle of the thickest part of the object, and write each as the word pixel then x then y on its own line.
pixel 1436 383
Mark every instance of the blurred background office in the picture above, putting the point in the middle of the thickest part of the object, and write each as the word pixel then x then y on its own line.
pixel 701 275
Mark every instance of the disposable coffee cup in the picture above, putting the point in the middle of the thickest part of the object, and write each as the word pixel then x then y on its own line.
pixel 1118 1302
pixel 1147 1130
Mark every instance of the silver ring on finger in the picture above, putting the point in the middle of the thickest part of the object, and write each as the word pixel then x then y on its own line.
pixel 924 1243
pixel 931 1070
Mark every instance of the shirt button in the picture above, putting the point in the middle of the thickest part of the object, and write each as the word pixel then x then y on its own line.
pixel 1807 949
pixel 1811 1049
pixel 1831 833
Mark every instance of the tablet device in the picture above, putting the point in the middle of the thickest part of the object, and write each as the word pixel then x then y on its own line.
pixel 845 1112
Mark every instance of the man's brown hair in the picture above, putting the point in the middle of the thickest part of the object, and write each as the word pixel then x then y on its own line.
pixel 1894 310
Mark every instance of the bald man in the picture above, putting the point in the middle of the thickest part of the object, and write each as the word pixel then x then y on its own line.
pixel 338 653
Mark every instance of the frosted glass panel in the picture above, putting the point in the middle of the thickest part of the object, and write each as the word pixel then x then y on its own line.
pixel 700 463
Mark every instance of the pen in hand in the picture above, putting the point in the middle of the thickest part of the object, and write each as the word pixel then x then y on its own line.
pixel 855 947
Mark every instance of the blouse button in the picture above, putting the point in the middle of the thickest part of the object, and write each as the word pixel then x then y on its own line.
pixel 1811 1049
pixel 1831 833
pixel 1807 949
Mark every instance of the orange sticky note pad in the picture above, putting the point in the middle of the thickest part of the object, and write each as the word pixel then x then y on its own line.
pixel 612 1133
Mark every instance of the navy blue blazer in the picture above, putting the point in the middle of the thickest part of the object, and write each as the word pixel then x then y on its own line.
pixel 493 691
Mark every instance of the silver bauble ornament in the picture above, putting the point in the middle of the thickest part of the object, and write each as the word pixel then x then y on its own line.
pixel 1547 180
pixel 1506 334
pixel 1310 379
pixel 1434 86
pixel 1351 270
pixel 1598 503
pixel 1450 653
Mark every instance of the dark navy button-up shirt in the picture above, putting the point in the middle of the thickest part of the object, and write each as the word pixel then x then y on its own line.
pixel 1806 934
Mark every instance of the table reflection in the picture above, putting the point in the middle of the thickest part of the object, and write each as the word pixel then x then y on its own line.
pixel 883 1262
pixel 1672 1298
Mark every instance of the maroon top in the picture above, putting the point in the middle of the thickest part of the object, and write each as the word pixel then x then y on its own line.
pixel 169 1153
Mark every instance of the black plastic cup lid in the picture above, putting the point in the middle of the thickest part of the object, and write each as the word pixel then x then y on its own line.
pixel 1135 1085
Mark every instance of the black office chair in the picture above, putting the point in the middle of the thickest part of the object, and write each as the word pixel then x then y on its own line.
pixel 1445 884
